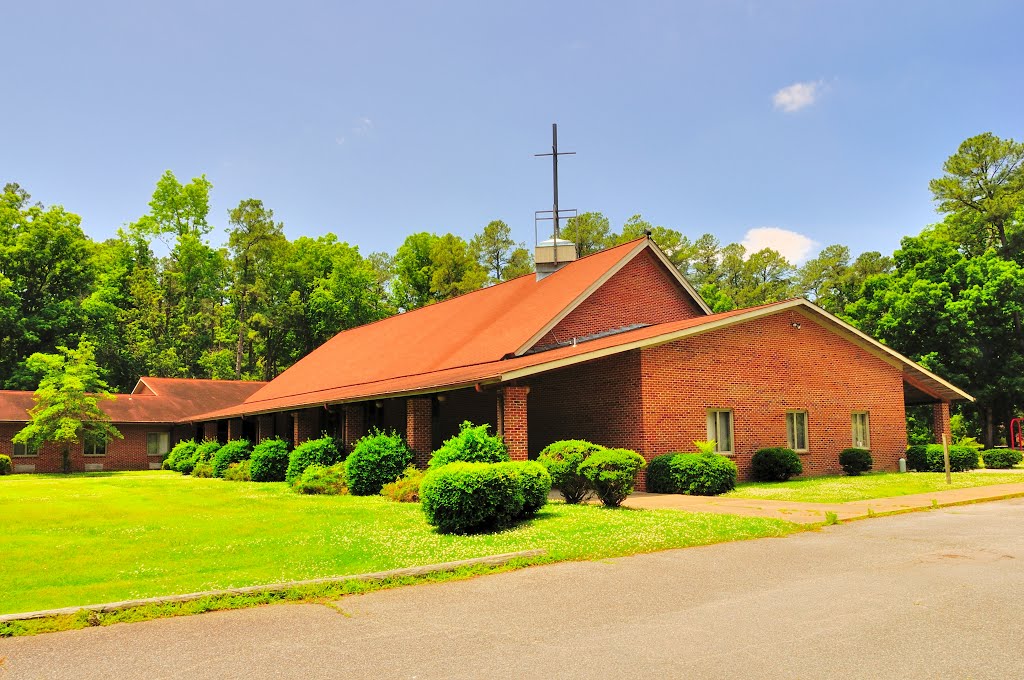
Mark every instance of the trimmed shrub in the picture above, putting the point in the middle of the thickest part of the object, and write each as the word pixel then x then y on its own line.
pixel 855 461
pixel 5 464
pixel 562 460
pixel 471 445
pixel 238 472
pixel 463 498
pixel 612 474
pixel 377 459
pixel 183 449
pixel 405 489
pixel 269 461
pixel 535 483
pixel 203 453
pixel 203 469
pixel 322 479
pixel 697 474
pixel 235 451
pixel 995 459
pixel 775 464
pixel 929 458
pixel 316 451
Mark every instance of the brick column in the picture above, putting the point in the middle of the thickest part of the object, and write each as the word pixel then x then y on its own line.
pixel 234 429
pixel 264 428
pixel 355 425
pixel 418 428
pixel 512 420
pixel 940 422
pixel 210 430
pixel 305 423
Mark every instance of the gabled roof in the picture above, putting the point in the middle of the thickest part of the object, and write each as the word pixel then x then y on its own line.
pixel 154 400
pixel 531 364
pixel 476 328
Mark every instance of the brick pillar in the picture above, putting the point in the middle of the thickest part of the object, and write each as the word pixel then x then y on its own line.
pixel 418 429
pixel 264 428
pixel 355 424
pixel 512 420
pixel 940 422
pixel 234 429
pixel 306 425
pixel 210 430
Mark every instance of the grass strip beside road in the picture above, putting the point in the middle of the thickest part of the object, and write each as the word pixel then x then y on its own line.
pixel 81 539
pixel 843 489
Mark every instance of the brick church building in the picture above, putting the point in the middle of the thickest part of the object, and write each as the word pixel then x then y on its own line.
pixel 616 348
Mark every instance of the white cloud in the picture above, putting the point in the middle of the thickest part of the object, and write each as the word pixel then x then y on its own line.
pixel 797 96
pixel 362 126
pixel 339 140
pixel 793 246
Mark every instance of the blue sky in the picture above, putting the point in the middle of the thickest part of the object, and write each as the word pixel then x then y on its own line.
pixel 375 120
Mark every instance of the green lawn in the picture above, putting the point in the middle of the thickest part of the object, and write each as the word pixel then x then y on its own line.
pixel 84 539
pixel 866 487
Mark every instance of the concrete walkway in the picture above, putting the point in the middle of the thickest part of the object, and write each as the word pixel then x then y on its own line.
pixel 813 513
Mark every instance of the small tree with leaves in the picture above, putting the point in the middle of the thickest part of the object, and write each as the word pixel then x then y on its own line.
pixel 67 407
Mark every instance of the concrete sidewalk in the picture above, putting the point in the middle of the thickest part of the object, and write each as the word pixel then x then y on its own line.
pixel 814 513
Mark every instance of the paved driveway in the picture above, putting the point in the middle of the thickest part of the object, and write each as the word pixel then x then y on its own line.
pixel 927 595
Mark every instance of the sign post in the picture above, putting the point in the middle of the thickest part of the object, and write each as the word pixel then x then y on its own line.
pixel 945 457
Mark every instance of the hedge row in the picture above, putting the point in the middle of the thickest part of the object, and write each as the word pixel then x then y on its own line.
pixel 697 474
pixel 929 458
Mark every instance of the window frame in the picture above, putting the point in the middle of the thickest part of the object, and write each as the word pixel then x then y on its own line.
pixel 93 444
pixel 29 452
pixel 166 437
pixel 712 417
pixel 791 443
pixel 866 415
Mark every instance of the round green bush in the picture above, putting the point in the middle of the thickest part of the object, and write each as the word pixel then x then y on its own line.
pixel 562 460
pixel 238 472
pixel 235 451
pixel 697 474
pixel 855 461
pixel 775 464
pixel 5 464
pixel 183 449
pixel 203 469
pixel 929 458
pixel 269 461
pixel 377 459
pixel 535 483
pixel 612 474
pixel 464 498
pixel 1001 459
pixel 203 453
pixel 471 445
pixel 319 451
pixel 322 479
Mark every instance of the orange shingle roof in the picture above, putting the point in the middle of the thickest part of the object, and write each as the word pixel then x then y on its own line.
pixel 475 328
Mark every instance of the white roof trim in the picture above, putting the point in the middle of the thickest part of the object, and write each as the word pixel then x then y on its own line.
pixel 872 344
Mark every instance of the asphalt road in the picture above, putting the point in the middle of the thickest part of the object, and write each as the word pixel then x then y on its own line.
pixel 928 595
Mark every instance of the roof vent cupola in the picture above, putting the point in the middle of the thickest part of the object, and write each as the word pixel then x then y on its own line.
pixel 552 255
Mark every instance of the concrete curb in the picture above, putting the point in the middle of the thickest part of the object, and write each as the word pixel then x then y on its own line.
pixel 491 560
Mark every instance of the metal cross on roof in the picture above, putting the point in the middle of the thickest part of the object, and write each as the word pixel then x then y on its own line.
pixel 555 214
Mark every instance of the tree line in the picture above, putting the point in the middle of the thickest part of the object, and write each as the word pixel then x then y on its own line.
pixel 950 297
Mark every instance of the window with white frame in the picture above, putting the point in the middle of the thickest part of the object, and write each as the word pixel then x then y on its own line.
pixel 861 426
pixel 95 446
pixel 796 430
pixel 720 429
pixel 158 443
pixel 23 451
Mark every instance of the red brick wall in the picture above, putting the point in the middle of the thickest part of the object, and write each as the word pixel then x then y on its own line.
pixel 761 370
pixel 640 292
pixel 598 401
pixel 307 425
pixel 512 420
pixel 355 424
pixel 940 422
pixel 210 431
pixel 419 429
pixel 122 454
